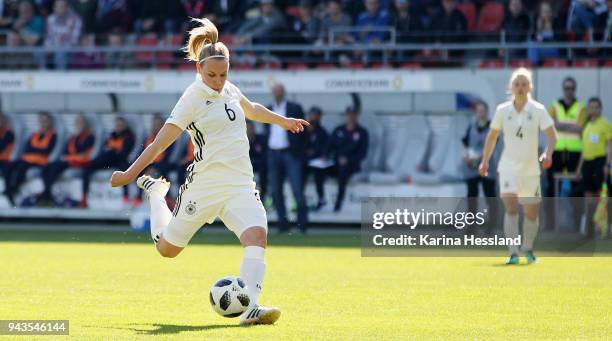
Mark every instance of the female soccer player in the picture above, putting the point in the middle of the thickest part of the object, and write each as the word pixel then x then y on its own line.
pixel 520 119
pixel 219 182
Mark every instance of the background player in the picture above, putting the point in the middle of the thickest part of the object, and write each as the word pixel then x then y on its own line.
pixel 220 180
pixel 520 119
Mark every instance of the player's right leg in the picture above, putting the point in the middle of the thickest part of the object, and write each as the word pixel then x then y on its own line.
pixel 170 235
pixel 509 189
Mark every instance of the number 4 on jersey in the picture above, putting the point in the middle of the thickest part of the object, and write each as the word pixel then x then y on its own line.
pixel 519 132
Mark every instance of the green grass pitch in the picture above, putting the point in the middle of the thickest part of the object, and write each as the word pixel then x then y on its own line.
pixel 114 286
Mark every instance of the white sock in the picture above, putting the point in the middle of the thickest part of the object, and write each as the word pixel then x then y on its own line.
pixel 511 230
pixel 252 271
pixel 530 231
pixel 160 214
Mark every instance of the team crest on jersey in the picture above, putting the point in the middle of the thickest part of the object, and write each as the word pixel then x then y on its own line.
pixel 208 102
pixel 190 208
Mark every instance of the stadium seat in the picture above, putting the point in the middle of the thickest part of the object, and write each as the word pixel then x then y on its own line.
pixel 608 63
pixel 227 39
pixel 173 40
pixel 586 63
pixel 555 63
pixel 492 64
pixel 356 66
pixel 293 11
pixel 491 17
pixel 381 66
pixel 186 65
pixel 144 41
pixel 469 11
pixel 271 65
pixel 326 66
pixel 521 63
pixel 411 66
pixel 297 66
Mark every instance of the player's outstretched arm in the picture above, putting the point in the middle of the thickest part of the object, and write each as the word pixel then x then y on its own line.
pixel 489 147
pixel 259 113
pixel 166 136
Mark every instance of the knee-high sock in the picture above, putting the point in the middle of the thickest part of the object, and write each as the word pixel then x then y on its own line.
pixel 530 231
pixel 511 230
pixel 252 271
pixel 160 214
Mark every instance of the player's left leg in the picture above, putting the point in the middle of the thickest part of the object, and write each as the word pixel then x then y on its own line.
pixel 245 216
pixel 529 198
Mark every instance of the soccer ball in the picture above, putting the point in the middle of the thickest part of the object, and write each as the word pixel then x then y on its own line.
pixel 229 296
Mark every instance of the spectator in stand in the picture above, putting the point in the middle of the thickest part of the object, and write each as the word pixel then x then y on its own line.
pixel 583 14
pixel 371 23
pixel 8 13
pixel 603 25
pixel 269 27
pixel 115 60
pixel 450 25
pixel 63 30
pixel 161 165
pixel 115 155
pixel 335 18
pixel 258 153
pixel 285 158
pixel 517 26
pixel 407 24
pixel 89 58
pixel 86 9
pixel 547 29
pixel 7 143
pixel 113 16
pixel 29 28
pixel 76 155
pixel 227 14
pixel 36 154
pixel 158 16
pixel 317 139
pixel 348 147
pixel 307 26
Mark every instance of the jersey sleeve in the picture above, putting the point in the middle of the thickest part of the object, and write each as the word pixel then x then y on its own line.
pixel 183 113
pixel 498 120
pixel 545 120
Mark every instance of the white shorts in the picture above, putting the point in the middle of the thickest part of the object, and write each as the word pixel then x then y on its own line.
pixel 239 207
pixel 527 188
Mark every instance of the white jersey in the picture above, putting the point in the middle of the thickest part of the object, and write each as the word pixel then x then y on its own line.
pixel 216 124
pixel 521 132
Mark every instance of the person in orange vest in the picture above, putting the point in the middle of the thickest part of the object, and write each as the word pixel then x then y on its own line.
pixel 7 143
pixel 115 155
pixel 36 154
pixel 76 155
pixel 161 165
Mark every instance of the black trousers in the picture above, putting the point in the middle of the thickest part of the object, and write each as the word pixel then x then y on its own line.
pixel 319 178
pixel 106 160
pixel 51 173
pixel 563 160
pixel 16 176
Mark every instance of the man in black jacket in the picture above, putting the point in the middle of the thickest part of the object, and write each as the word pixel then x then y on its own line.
pixel 285 157
pixel 348 147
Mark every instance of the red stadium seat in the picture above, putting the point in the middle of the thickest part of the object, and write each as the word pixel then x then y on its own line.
pixel 143 41
pixel 356 66
pixel 492 64
pixel 271 65
pixel 411 66
pixel 608 63
pixel 491 17
pixel 555 62
pixel 469 11
pixel 227 39
pixel 173 40
pixel 293 11
pixel 297 66
pixel 381 66
pixel 586 63
pixel 521 63
pixel 241 66
pixel 186 65
pixel 326 67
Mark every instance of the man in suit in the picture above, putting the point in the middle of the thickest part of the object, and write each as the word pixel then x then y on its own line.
pixel 285 158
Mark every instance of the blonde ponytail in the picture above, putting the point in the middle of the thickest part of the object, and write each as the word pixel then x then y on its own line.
pixel 204 42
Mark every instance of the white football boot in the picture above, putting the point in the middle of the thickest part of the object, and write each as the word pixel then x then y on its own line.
pixel 260 315
pixel 149 184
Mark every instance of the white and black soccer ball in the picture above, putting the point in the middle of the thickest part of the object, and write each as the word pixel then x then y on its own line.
pixel 229 296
